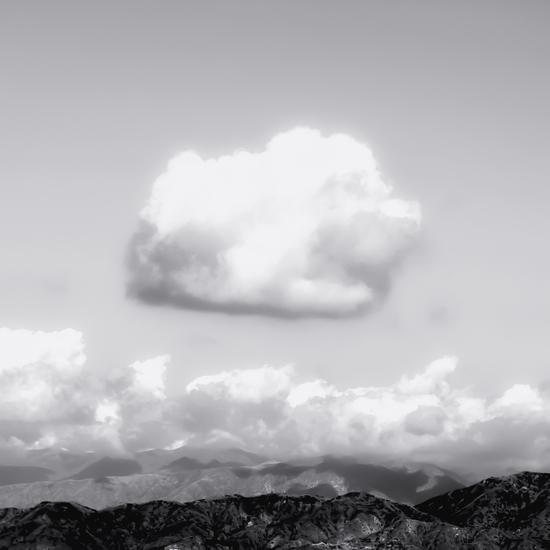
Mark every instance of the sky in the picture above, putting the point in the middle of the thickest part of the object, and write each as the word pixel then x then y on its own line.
pixel 293 211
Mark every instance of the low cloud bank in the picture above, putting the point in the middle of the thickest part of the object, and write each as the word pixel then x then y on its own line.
pixel 52 398
pixel 419 417
pixel 306 227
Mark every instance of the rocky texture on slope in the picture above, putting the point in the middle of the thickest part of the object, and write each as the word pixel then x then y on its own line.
pixel 353 521
pixel 498 513
pixel 518 504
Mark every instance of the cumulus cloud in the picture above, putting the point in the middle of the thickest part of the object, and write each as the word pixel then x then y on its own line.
pixel 419 417
pixel 306 227
pixel 149 376
pixel 39 371
pixel 64 349
pixel 52 397
pixel 48 394
pixel 255 385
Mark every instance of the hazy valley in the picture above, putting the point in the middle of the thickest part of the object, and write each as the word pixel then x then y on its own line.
pixel 187 474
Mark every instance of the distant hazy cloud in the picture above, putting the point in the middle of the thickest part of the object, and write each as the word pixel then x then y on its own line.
pixel 50 397
pixel 306 227
pixel 137 405
pixel 64 349
pixel 426 419
pixel 40 374
pixel 255 386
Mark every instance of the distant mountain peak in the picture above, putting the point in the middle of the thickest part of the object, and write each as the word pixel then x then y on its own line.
pixel 109 466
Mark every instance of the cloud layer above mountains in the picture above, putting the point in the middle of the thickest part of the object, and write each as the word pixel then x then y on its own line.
pixel 306 227
pixel 51 397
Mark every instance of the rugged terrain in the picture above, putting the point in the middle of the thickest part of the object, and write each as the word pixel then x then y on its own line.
pixel 517 504
pixel 357 520
pixel 497 513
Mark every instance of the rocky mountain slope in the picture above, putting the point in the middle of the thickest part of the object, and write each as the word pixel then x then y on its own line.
pixel 519 503
pixel 357 520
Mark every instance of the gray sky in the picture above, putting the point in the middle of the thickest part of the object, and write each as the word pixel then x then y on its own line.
pixel 451 97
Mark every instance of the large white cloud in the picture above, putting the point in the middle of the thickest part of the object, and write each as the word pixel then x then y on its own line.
pixel 305 227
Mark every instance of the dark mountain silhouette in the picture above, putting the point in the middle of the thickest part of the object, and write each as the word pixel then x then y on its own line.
pixel 281 469
pixel 357 520
pixel 324 490
pixel 400 485
pixel 108 466
pixel 516 503
pixel 397 484
pixel 217 464
pixel 184 464
pixel 10 475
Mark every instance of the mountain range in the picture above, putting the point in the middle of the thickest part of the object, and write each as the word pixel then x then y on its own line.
pixel 228 498
pixel 497 513
pixel 187 474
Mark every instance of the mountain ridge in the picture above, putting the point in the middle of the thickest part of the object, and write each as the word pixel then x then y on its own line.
pixel 496 513
pixel 94 487
pixel 236 522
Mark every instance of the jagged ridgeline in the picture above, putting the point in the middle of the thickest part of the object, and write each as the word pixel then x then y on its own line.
pixel 356 520
pixel 497 513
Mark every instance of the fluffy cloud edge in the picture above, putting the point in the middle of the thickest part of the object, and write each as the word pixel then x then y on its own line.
pixel 305 227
